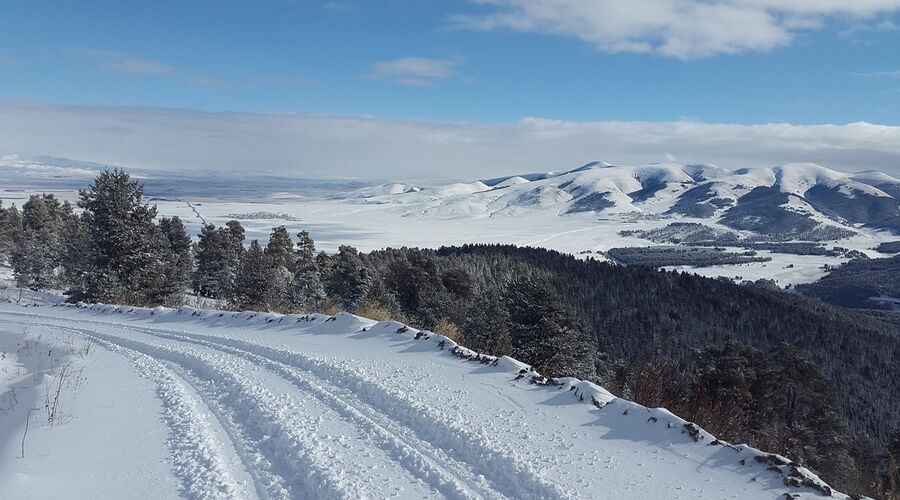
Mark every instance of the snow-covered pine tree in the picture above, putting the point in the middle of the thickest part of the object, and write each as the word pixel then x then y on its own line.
pixel 308 292
pixel 122 241
pixel 10 227
pixel 280 248
pixel 350 279
pixel 546 333
pixel 163 281
pixel 219 252
pixel 39 250
pixel 324 261
pixel 253 287
pixel 180 244
pixel 235 243
pixel 179 262
pixel 280 252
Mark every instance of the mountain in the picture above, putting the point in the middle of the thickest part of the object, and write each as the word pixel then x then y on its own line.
pixel 789 202
pixel 260 405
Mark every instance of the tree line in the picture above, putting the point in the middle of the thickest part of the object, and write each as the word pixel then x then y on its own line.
pixel 751 364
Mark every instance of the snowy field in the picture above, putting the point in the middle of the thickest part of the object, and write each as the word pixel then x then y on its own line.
pixel 368 226
pixel 137 403
pixel 514 210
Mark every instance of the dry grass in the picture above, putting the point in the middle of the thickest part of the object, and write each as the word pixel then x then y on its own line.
pixel 448 329
pixel 331 308
pixel 374 311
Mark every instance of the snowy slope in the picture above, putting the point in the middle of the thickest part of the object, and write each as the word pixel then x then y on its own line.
pixel 579 211
pixel 208 404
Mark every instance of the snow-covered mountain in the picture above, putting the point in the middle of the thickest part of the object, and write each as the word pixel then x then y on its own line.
pixel 167 403
pixel 793 201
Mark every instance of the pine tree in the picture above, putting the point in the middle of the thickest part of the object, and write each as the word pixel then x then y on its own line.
pixel 253 288
pixel 209 278
pixel 10 227
pixel 545 333
pixel 487 324
pixel 280 248
pixel 219 255
pixel 308 292
pixel 350 279
pixel 174 245
pixel 39 249
pixel 122 240
pixel 235 240
pixel 182 259
pixel 280 253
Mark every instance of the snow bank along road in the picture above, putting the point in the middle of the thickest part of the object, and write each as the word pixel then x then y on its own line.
pixel 165 403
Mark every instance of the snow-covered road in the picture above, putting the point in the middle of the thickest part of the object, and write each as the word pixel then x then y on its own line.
pixel 243 405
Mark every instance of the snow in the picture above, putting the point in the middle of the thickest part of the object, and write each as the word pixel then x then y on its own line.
pixel 212 404
pixel 530 209
pixel 798 178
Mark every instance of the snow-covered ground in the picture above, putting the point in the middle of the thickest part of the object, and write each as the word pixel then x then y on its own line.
pixel 206 404
pixel 369 226
pixel 529 210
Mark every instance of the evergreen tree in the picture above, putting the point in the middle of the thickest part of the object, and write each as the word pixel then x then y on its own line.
pixel 39 249
pixel 280 248
pixel 122 241
pixel 350 279
pixel 803 422
pixel 219 255
pixel 545 333
pixel 308 291
pixel 280 253
pixel 174 245
pixel 253 288
pixel 236 235
pixel 182 258
pixel 10 227
pixel 324 261
pixel 487 324
pixel 416 282
pixel 728 390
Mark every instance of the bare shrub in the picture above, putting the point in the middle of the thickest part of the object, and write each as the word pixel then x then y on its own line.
pixel 77 347
pixel 68 378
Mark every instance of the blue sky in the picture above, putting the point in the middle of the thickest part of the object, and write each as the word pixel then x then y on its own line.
pixel 319 57
pixel 802 62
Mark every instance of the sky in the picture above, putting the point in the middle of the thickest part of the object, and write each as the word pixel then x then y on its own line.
pixel 383 88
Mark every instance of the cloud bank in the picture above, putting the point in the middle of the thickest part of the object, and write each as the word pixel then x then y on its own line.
pixel 321 146
pixel 683 29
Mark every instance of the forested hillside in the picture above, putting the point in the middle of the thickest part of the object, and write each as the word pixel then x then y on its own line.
pixel 750 363
pixel 864 283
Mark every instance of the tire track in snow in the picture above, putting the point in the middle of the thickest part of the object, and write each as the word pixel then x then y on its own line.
pixel 507 475
pixel 197 457
pixel 293 462
pixel 431 465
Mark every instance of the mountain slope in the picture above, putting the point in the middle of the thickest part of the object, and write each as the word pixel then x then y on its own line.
pixel 265 405
pixel 793 201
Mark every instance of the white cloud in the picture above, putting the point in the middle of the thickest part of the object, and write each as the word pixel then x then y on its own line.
pixel 416 71
pixel 677 28
pixel 341 146
pixel 126 63
pixel 894 73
